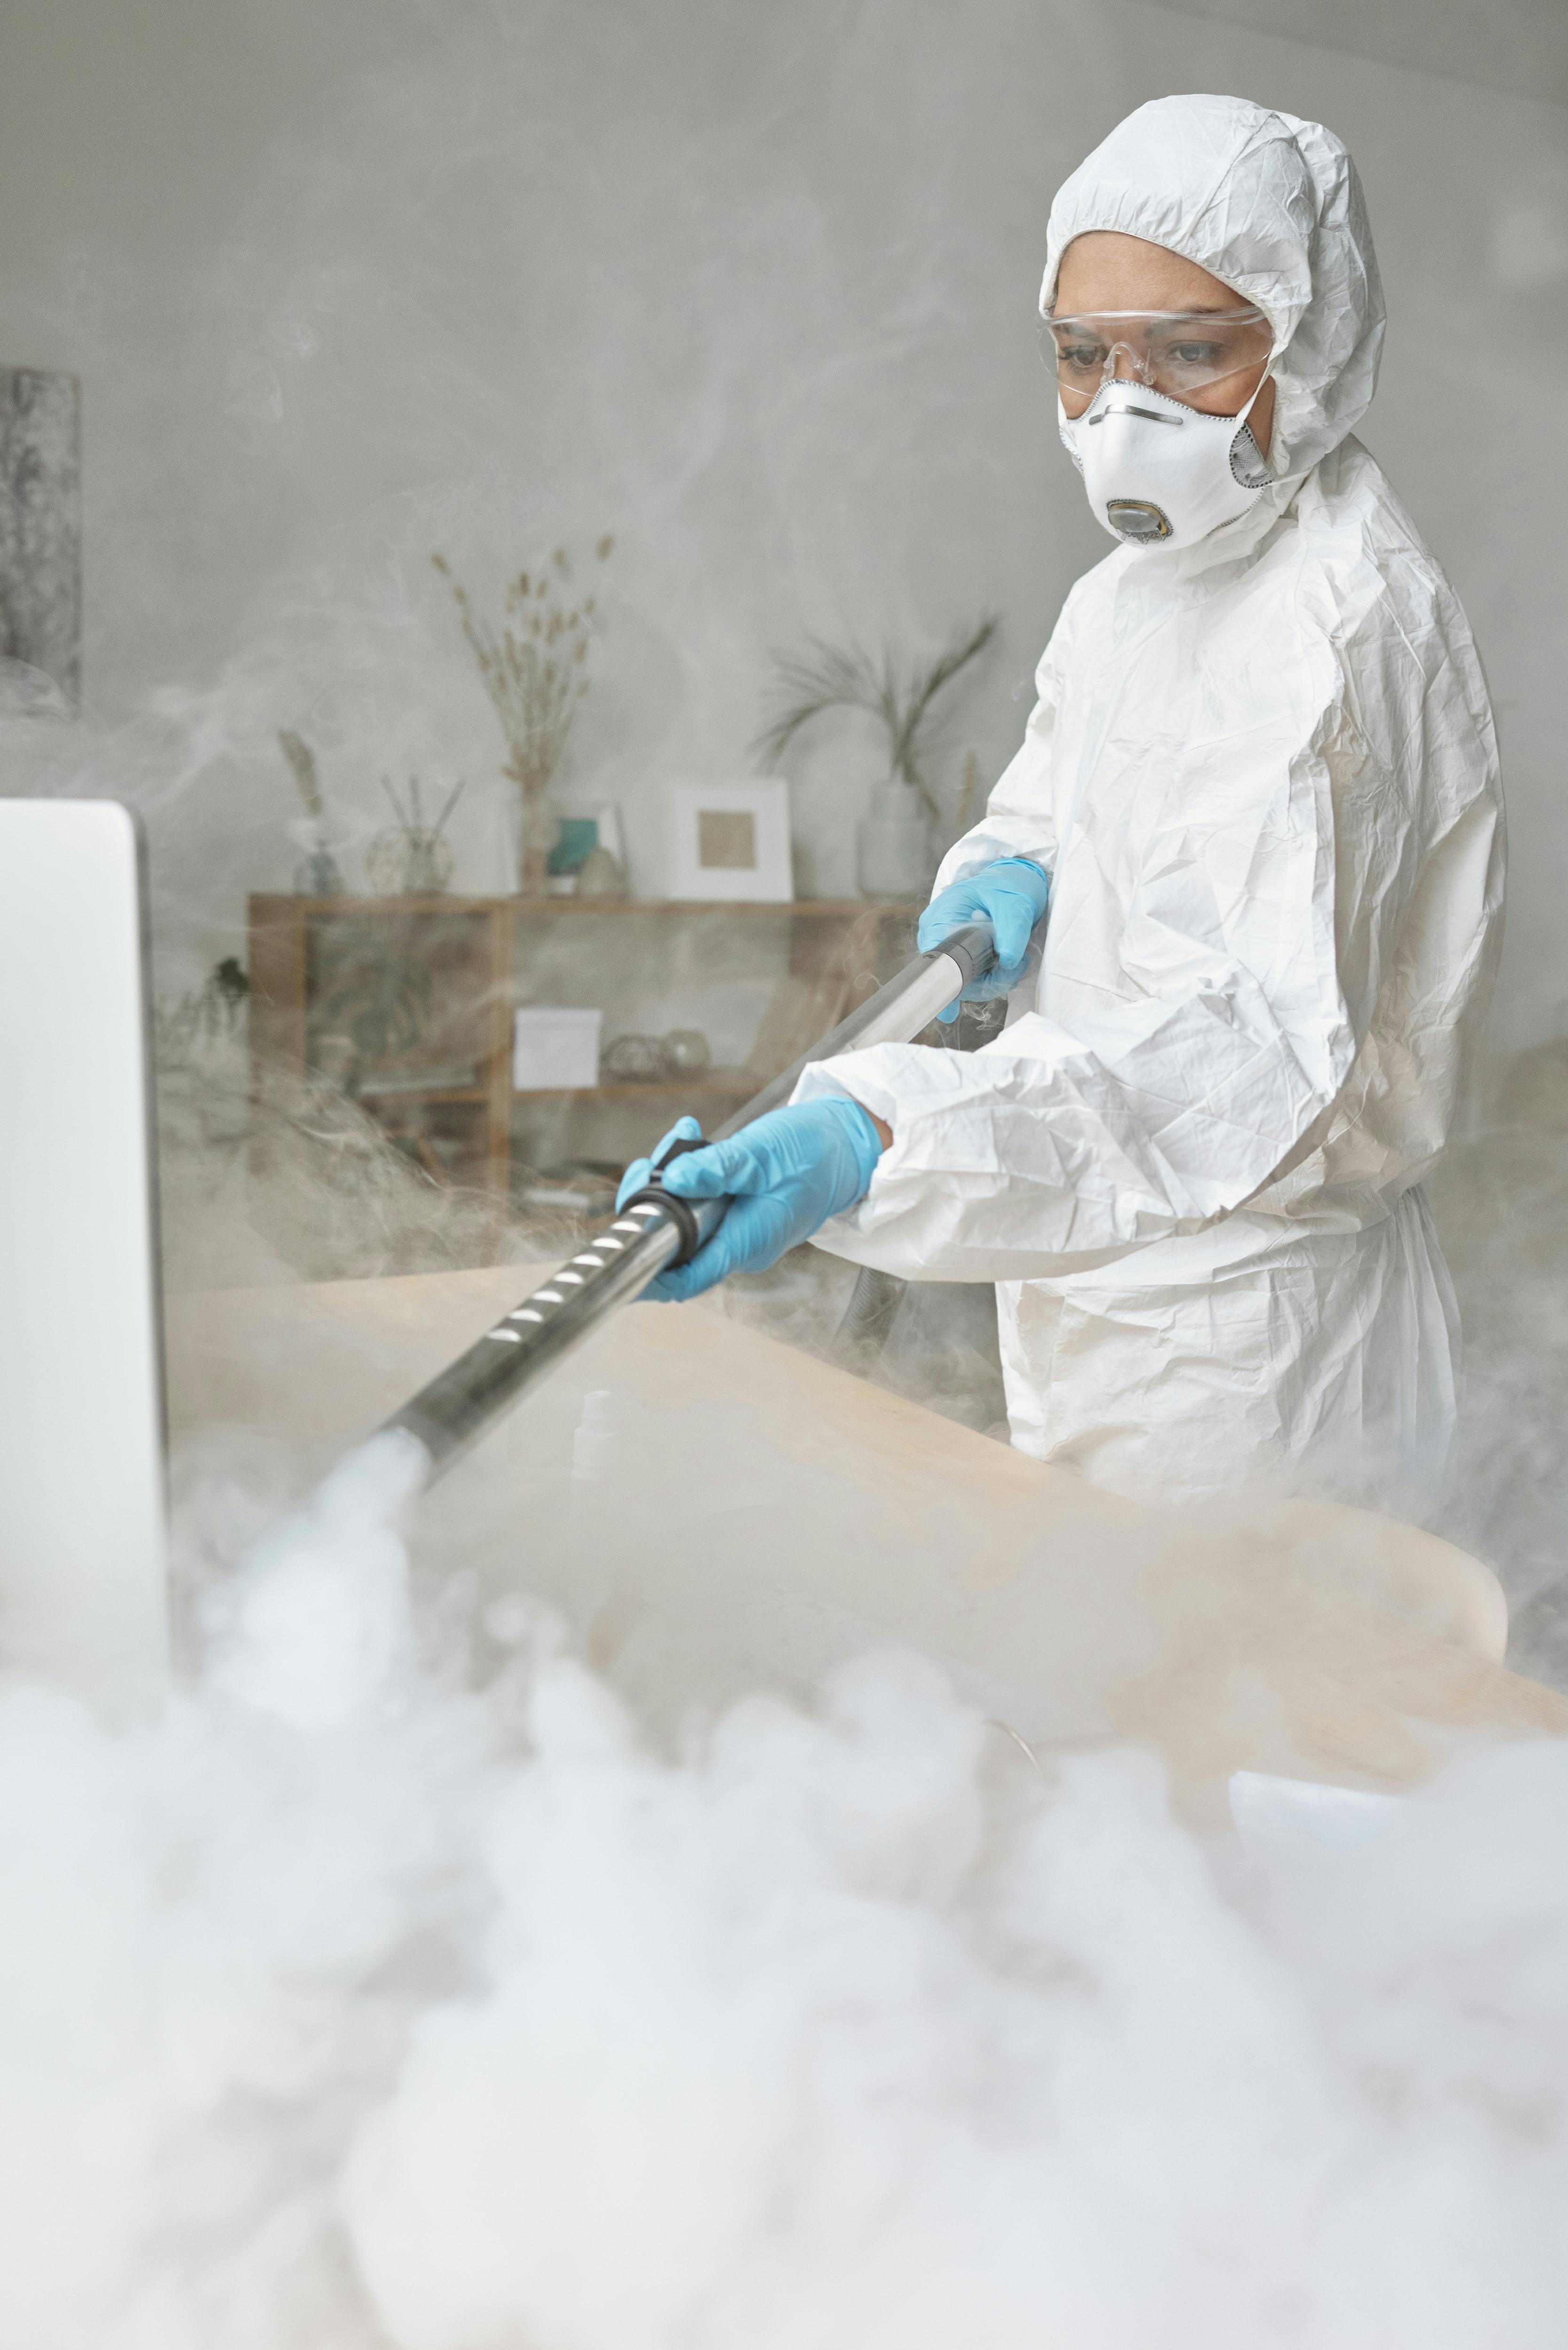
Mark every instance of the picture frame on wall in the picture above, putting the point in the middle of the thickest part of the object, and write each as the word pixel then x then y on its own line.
pixel 731 840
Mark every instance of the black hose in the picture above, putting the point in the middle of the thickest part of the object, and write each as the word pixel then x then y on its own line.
pixel 651 1231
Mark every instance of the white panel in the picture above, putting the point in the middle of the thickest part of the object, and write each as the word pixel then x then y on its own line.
pixel 82 1557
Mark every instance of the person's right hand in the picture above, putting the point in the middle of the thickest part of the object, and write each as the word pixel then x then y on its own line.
pixel 1011 896
pixel 783 1175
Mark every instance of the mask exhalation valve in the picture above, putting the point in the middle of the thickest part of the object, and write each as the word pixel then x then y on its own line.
pixel 1137 519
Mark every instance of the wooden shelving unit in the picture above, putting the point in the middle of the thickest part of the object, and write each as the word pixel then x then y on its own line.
pixel 317 963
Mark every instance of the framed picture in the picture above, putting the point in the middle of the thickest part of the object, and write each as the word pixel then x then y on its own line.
pixel 731 840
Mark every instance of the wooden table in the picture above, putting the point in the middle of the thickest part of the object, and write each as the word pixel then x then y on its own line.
pixel 762 1514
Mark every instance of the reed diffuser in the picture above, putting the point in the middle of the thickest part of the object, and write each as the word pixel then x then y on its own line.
pixel 411 858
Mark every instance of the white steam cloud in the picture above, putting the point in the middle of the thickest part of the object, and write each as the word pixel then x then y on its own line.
pixel 392 1989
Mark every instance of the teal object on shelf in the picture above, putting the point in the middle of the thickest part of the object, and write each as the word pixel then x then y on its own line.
pixel 576 838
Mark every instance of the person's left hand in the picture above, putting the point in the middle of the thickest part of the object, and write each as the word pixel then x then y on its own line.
pixel 785 1176
pixel 1011 895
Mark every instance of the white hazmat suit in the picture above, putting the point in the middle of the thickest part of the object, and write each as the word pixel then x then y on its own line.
pixel 1262 777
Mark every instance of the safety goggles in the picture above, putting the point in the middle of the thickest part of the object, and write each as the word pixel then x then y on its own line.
pixel 1182 353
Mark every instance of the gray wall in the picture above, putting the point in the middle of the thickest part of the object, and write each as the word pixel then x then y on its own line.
pixel 751 287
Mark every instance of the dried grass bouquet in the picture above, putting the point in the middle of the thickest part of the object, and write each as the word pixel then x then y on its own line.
pixel 533 668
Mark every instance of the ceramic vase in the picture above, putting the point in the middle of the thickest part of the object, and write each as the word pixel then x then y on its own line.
pixel 893 853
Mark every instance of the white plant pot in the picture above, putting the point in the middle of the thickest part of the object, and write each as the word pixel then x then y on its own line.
pixel 893 853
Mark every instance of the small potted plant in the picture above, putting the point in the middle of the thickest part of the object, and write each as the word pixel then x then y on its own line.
pixel 317 874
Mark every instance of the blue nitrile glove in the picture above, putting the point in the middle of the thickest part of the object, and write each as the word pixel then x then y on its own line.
pixel 786 1175
pixel 1010 895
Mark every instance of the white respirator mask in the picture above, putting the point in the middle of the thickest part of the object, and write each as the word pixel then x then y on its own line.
pixel 1159 472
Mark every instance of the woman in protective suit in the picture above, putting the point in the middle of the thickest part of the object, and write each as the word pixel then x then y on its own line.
pixel 1246 868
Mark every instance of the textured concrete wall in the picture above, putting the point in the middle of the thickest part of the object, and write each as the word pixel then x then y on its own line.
pixel 752 287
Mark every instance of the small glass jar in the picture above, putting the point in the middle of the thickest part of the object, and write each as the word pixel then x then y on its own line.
pixel 690 1050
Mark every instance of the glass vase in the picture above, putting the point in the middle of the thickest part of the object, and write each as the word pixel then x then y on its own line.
pixel 535 839
pixel 893 853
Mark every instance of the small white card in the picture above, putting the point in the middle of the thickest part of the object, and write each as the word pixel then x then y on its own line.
pixel 555 1048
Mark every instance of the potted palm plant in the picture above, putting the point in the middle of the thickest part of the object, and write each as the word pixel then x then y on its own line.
pixel 894 855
